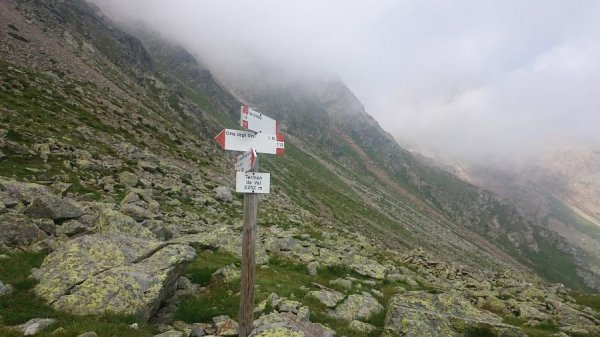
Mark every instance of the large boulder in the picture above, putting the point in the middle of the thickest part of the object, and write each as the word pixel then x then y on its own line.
pixel 24 192
pixel 444 315
pixel 101 273
pixel 357 306
pixel 287 324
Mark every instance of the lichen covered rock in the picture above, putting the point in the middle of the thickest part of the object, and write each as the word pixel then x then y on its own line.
pixel 329 298
pixel 357 306
pixel 111 273
pixel 424 314
pixel 288 325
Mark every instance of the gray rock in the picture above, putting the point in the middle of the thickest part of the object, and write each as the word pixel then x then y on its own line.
pixel 128 179
pixel 344 283
pixel 88 334
pixel 362 327
pixel 5 289
pixel 223 193
pixel 329 298
pixel 228 273
pixel 357 306
pixel 111 221
pixel 101 273
pixel 286 305
pixel 34 326
pixel 18 232
pixel 136 212
pixel 288 325
pixel 53 207
pixel 225 326
pixel 439 315
pixel 170 333
pixel 197 331
pixel 313 268
pixel 367 267
pixel 71 228
pixel 131 197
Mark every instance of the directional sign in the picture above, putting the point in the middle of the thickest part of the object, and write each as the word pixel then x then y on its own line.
pixel 253 120
pixel 252 182
pixel 237 140
pixel 245 161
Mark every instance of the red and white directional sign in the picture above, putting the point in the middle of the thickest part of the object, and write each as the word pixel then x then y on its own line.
pixel 245 161
pixel 252 182
pixel 237 140
pixel 253 120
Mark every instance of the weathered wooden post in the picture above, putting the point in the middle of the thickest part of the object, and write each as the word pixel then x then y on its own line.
pixel 264 138
pixel 248 277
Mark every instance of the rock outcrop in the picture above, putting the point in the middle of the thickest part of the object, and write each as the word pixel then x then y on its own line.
pixel 98 273
pixel 445 315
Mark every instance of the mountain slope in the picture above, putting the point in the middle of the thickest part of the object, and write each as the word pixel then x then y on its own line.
pixel 118 132
pixel 332 124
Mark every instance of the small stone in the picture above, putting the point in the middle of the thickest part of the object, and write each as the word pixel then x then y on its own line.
pixel 344 283
pixel 88 334
pixel 5 289
pixel 197 331
pixel 225 326
pixel 33 326
pixel 59 331
pixel 134 326
pixel 329 298
pixel 304 313
pixel 223 193
pixel 128 179
pixel 170 333
pixel 312 268
pixel 130 198
pixel 228 273
pixel 362 327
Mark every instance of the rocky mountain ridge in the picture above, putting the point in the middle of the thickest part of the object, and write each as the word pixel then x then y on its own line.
pixel 114 198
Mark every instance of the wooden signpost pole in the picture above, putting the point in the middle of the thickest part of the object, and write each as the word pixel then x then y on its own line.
pixel 263 137
pixel 248 277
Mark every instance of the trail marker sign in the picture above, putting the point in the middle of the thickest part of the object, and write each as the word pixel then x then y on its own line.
pixel 238 140
pixel 253 120
pixel 252 182
pixel 245 161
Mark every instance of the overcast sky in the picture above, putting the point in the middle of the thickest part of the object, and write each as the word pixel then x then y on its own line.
pixel 463 78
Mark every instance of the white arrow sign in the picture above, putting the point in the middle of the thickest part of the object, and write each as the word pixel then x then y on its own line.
pixel 245 161
pixel 252 182
pixel 237 140
pixel 253 120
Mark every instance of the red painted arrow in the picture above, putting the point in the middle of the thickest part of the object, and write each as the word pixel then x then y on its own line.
pixel 220 138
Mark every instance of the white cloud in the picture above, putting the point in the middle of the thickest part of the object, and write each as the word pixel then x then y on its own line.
pixel 466 78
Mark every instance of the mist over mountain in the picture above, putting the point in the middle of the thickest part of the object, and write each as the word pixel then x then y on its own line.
pixel 473 81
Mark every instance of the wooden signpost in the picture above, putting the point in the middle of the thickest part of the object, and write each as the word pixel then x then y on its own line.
pixel 264 137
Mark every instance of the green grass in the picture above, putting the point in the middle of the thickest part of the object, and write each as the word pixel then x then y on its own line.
pixel 23 305
pixel 587 299
pixel 283 277
pixel 206 263
pixel 479 331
